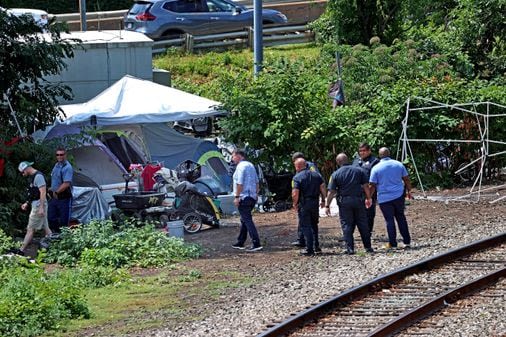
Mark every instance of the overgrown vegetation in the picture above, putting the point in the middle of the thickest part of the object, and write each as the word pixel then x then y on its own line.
pixel 286 108
pixel 33 300
pixel 103 244
pixel 6 242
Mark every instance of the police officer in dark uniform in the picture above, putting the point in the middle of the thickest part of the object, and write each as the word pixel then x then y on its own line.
pixel 366 161
pixel 301 242
pixel 350 183
pixel 307 187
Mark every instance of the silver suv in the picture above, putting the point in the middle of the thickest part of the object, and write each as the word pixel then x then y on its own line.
pixel 162 19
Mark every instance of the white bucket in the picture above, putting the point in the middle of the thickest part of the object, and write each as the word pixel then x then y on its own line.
pixel 175 228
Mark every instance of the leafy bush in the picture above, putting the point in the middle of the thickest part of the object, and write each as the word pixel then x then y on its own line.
pixel 100 244
pixel 33 301
pixel 287 103
pixel 6 242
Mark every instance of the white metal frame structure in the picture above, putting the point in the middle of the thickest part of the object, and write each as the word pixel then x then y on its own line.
pixel 482 123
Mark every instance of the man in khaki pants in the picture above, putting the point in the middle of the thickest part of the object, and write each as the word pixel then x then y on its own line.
pixel 36 198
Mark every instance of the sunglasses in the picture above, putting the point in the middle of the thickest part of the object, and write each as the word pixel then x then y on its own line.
pixel 60 154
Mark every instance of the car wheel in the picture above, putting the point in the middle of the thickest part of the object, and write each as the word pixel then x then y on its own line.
pixel 172 34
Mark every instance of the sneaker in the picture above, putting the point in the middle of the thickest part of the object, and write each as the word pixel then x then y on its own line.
pixel 254 249
pixel 238 246
pixel 408 246
pixel 17 251
pixel 298 244
pixel 306 253
pixel 349 252
pixel 369 250
pixel 388 246
pixel 317 250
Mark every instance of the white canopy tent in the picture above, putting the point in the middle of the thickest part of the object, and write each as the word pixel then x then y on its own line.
pixel 136 101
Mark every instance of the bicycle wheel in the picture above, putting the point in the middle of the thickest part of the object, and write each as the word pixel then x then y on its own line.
pixel 467 174
pixel 192 222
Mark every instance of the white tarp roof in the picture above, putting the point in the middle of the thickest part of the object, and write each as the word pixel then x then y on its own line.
pixel 135 101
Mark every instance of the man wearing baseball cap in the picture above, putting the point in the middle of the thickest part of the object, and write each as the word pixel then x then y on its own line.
pixel 36 198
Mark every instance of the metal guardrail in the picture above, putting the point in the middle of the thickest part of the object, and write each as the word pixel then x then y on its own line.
pixel 272 36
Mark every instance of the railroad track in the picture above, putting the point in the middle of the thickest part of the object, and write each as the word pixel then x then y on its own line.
pixel 392 302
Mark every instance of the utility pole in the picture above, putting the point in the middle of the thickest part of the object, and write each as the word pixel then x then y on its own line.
pixel 82 12
pixel 257 36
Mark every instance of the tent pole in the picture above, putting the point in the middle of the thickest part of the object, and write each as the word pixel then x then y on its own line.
pixel 13 114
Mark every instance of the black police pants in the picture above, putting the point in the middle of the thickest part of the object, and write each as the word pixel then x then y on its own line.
pixel 308 217
pixel 300 233
pixel 352 213
pixel 371 213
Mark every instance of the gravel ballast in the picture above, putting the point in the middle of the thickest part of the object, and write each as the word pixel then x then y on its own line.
pixel 285 282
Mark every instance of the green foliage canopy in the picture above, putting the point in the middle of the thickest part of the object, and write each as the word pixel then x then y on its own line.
pixel 25 58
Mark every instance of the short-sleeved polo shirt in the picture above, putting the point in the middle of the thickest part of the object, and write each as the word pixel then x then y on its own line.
pixel 387 175
pixel 62 172
pixel 348 181
pixel 366 164
pixel 308 183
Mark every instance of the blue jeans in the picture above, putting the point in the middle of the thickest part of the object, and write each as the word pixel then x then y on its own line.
pixel 58 213
pixel 247 225
pixel 394 210
pixel 308 222
pixel 352 213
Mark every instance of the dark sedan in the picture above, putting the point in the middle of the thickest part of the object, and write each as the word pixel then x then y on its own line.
pixel 161 19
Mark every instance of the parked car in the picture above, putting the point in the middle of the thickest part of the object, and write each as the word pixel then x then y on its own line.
pixel 162 19
pixel 40 17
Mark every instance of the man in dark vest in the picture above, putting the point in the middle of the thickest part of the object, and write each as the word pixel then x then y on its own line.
pixel 307 188
pixel 36 199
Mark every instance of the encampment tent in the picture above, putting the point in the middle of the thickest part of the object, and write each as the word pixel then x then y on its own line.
pixel 132 119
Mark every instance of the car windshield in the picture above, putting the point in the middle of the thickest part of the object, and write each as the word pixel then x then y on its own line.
pixel 139 7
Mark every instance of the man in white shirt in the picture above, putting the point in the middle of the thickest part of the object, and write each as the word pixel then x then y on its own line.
pixel 246 185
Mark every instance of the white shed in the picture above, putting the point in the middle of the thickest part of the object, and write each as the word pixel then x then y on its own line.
pixel 104 58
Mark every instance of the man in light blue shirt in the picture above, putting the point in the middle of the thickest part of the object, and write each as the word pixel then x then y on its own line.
pixel 246 185
pixel 390 178
pixel 60 206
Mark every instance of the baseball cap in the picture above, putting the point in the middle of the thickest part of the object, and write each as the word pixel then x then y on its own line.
pixel 24 165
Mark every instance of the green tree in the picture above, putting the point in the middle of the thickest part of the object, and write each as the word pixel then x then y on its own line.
pixel 357 21
pixel 273 111
pixel 472 35
pixel 26 56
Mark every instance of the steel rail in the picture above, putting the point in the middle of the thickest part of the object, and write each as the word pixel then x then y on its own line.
pixel 380 282
pixel 437 304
